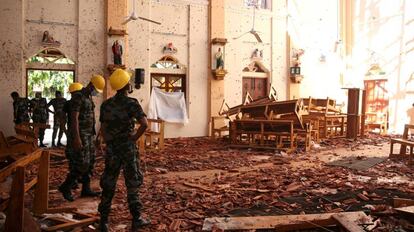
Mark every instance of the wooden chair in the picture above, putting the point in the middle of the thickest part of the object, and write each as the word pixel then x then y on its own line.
pixel 152 139
pixel 219 126
pixel 404 143
pixel 376 120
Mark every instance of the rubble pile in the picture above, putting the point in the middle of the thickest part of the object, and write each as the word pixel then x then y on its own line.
pixel 196 178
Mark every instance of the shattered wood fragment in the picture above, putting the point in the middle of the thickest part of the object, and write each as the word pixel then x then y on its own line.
pixel 175 225
pixel 198 187
pixel 401 202
pixel 362 197
pixel 347 223
pixel 284 223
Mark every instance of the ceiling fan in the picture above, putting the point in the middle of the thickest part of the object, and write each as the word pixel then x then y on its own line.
pixel 133 16
pixel 252 31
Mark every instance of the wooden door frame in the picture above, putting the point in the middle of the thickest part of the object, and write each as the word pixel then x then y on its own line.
pixel 257 76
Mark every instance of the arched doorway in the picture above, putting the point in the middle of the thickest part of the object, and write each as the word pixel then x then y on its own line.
pixel 49 71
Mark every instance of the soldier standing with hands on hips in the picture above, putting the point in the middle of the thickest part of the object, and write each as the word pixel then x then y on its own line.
pixel 118 117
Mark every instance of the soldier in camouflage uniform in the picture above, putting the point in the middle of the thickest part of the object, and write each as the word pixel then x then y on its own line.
pixel 59 117
pixel 81 133
pixel 40 114
pixel 118 117
pixel 69 152
pixel 21 108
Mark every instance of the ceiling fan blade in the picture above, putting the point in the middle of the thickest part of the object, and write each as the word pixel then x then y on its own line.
pixel 149 20
pixel 257 36
pixel 238 37
pixel 127 20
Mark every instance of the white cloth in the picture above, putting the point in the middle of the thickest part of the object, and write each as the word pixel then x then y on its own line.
pixel 169 107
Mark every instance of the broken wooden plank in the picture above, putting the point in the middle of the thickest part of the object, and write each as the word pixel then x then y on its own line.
pixel 29 223
pixel 198 187
pixel 284 223
pixel 406 210
pixel 14 219
pixel 72 225
pixel 347 223
pixel 7 171
pixel 401 202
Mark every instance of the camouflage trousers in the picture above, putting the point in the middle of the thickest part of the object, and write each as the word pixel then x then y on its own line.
pixel 81 162
pixel 41 130
pixel 121 154
pixel 59 123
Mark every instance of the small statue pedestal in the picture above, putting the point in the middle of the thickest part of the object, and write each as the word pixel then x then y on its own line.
pixel 219 74
pixel 111 67
pixel 296 78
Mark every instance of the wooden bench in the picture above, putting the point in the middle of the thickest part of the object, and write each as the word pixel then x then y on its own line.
pixel 266 134
pixel 19 143
pixel 404 142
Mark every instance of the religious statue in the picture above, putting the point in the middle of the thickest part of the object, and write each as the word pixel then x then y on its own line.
pixel 169 49
pixel 257 54
pixel 219 59
pixel 48 39
pixel 117 51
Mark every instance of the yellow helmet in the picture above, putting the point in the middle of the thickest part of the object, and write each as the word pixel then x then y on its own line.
pixel 98 82
pixel 76 86
pixel 119 79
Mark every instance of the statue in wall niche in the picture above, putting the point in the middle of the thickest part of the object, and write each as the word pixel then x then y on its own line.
pixel 48 39
pixel 257 54
pixel 219 59
pixel 117 51
pixel 169 49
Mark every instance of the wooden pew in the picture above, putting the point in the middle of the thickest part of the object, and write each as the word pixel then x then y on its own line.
pixel 404 143
pixel 231 112
pixel 16 144
pixel 266 134
pixel 15 204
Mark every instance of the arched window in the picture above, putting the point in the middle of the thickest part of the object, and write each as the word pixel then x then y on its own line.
pixel 169 75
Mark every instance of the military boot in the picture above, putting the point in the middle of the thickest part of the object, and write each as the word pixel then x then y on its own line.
pixel 103 224
pixel 87 191
pixel 66 192
pixel 138 223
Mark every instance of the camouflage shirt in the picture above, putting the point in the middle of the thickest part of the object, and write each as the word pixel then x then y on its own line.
pixel 119 115
pixel 21 110
pixel 58 104
pixel 39 109
pixel 83 104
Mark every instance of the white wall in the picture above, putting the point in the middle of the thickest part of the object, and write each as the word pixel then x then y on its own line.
pixel 315 30
pixel 78 25
pixel 272 25
pixel 185 24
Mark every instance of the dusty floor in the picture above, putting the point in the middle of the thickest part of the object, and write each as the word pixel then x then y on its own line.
pixel 197 178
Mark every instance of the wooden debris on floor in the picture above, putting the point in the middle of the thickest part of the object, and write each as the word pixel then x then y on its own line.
pixel 16 215
pixel 289 222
